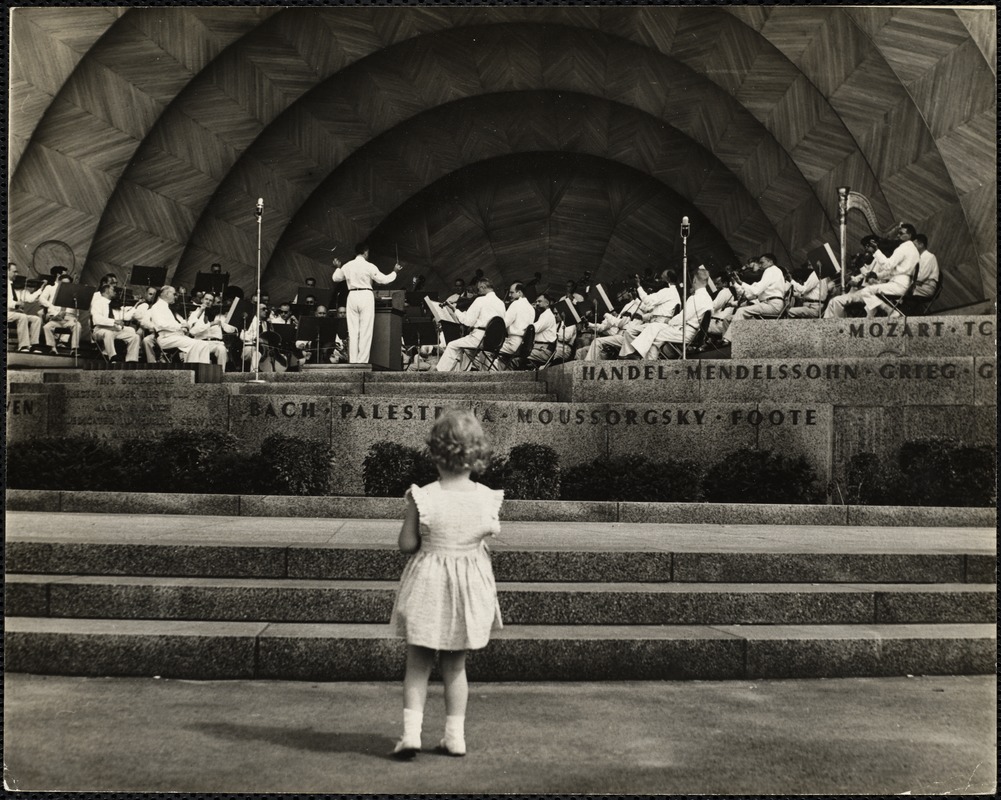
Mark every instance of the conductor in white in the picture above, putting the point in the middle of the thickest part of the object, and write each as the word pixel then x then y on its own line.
pixel 360 274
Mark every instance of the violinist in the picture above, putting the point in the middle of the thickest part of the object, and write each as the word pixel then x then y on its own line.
pixel 519 315
pixel 566 337
pixel 172 330
pixel 767 294
pixel 206 325
pixel 106 328
pixel 28 325
pixel 253 334
pixel 484 308
pixel 146 328
pixel 610 332
pixel 725 303
pixel 459 298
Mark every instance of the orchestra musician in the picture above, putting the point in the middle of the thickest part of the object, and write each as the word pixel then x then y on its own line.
pixel 107 328
pixel 484 308
pixel 28 325
pixel 609 333
pixel 767 294
pixel 60 318
pixel 545 331
pixel 890 275
pixel 206 324
pixel 172 330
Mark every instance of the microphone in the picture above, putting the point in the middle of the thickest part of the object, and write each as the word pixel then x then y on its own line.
pixel 685 227
pixel 260 207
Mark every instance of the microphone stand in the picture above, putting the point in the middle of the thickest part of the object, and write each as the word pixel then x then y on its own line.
pixel 259 213
pixel 684 299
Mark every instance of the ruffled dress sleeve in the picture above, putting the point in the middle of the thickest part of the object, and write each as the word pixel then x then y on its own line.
pixel 491 509
pixel 420 497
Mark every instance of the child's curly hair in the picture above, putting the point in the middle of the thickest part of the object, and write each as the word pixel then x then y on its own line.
pixel 457 442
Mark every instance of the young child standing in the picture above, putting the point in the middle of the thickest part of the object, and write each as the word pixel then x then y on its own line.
pixel 447 600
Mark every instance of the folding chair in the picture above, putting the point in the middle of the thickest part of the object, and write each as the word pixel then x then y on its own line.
pixel 519 358
pixel 787 300
pixel 912 306
pixel 897 301
pixel 493 339
pixel 700 341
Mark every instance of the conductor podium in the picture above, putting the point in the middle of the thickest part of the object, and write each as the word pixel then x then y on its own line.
pixel 387 330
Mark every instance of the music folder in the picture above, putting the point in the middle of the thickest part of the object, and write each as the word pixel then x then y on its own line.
pixel 599 297
pixel 242 311
pixel 285 332
pixel 148 276
pixel 570 315
pixel 824 262
pixel 321 296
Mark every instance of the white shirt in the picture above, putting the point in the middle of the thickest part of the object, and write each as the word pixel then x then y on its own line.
pixel 163 319
pixel 771 286
pixel 360 273
pixel 928 275
pixel 483 309
pixel 519 316
pixel 662 302
pixel 902 263
pixel 100 312
pixel 811 290
pixel 698 304
pixel 545 327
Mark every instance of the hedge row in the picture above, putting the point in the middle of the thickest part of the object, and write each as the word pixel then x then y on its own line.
pixel 928 472
pixel 206 461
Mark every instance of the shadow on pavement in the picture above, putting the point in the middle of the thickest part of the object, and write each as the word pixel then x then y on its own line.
pixel 307 739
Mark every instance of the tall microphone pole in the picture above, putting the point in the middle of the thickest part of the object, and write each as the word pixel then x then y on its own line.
pixel 259 213
pixel 685 230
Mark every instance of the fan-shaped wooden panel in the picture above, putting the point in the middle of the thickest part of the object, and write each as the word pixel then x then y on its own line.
pixel 159 139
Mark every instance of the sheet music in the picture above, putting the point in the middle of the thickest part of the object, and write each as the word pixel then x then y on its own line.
pixel 440 312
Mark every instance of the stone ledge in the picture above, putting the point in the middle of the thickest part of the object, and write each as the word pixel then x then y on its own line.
pixel 345 507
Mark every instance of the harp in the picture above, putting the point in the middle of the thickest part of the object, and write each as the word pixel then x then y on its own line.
pixel 848 200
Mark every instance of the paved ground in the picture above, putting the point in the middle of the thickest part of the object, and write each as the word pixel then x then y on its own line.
pixel 219 530
pixel 918 736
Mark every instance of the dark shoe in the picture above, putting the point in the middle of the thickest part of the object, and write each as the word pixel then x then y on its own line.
pixel 37 348
pixel 116 359
pixel 404 752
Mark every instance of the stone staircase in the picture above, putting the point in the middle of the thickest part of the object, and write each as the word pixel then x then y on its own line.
pixel 279 599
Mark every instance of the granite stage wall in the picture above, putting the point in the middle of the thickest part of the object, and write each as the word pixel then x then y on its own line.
pixel 825 408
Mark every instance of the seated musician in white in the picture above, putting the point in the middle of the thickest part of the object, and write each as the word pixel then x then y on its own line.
pixel 810 296
pixel 925 282
pixel 648 343
pixel 656 309
pixel 107 329
pixel 725 304
pixel 213 330
pixel 146 329
pixel 890 275
pixel 766 295
pixel 484 308
pixel 252 346
pixel 518 316
pixel 172 331
pixel 60 318
pixel 28 325
pixel 609 334
pixel 545 331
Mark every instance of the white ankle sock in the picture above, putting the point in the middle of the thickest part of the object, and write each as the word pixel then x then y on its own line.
pixel 455 729
pixel 412 722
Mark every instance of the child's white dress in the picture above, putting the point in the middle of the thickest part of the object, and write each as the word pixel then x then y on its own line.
pixel 447 598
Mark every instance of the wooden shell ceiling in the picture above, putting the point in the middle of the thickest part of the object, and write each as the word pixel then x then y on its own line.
pixel 513 140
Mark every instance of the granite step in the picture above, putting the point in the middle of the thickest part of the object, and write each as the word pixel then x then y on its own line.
pixel 199 556
pixel 358 601
pixel 496 389
pixel 431 376
pixel 331 652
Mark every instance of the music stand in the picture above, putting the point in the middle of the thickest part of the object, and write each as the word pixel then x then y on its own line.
pixel 300 310
pixel 416 332
pixel 318 330
pixel 73 295
pixel 214 282
pixel 148 276
pixel 323 297
pixel 823 262
pixel 243 312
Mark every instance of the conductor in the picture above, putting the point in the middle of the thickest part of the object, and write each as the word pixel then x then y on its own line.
pixel 359 274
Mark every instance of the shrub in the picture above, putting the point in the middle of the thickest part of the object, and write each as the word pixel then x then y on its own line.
pixel 293 465
pixel 198 461
pixel 389 469
pixel 946 472
pixel 760 476
pixel 70 463
pixel 493 475
pixel 532 472
pixel 632 478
